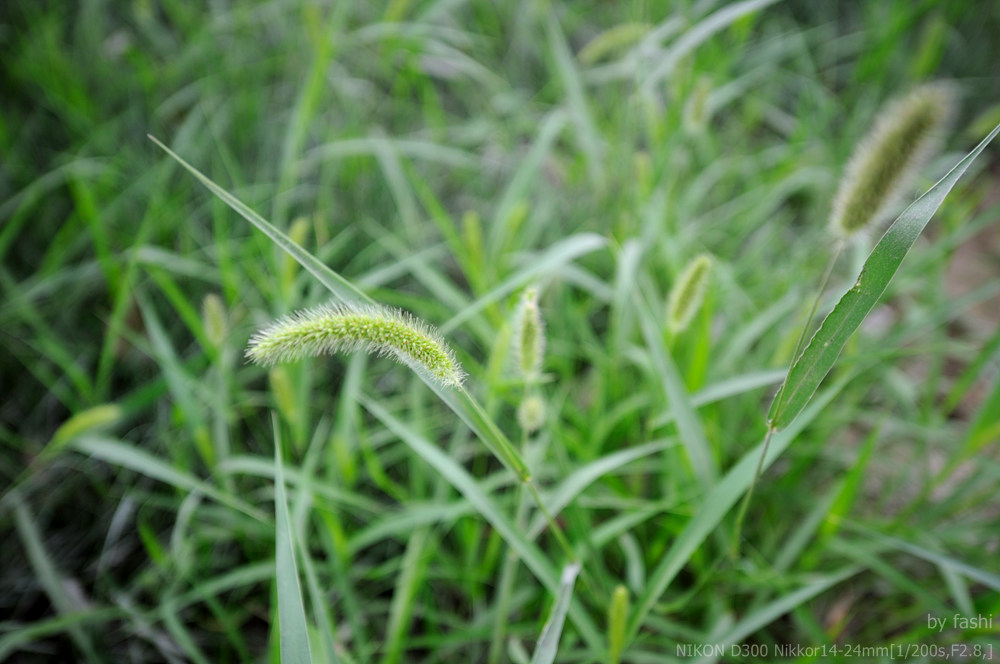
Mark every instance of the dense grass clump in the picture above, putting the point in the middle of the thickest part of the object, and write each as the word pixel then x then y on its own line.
pixel 538 180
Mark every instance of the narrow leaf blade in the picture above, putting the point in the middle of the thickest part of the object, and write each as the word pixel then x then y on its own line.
pixel 293 633
pixel 338 285
pixel 825 347
pixel 688 423
pixel 714 508
pixel 548 643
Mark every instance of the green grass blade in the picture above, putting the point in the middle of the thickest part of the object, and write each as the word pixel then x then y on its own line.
pixel 180 631
pixel 726 388
pixel 433 153
pixel 988 578
pixel 471 412
pixel 556 256
pixel 459 478
pixel 874 559
pixel 183 388
pixel 95 418
pixel 305 109
pixel 983 430
pixel 48 575
pixel 617 622
pixel 565 66
pixel 119 453
pixel 342 288
pixel 294 634
pixel 714 507
pixel 399 523
pixel 697 35
pixel 989 351
pixel 525 178
pixel 396 182
pixel 548 643
pixel 767 614
pixel 238 579
pixel 689 427
pixel 14 640
pixel 470 488
pixel 581 478
pixel 823 350
pixel 321 612
pixel 412 575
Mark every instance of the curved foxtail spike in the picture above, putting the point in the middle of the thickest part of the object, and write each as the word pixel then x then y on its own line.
pixel 907 133
pixel 688 293
pixel 349 328
pixel 529 336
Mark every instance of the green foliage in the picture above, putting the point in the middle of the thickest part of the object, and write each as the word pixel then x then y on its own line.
pixel 440 158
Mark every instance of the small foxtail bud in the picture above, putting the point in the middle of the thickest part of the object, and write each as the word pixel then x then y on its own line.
pixel 531 414
pixel 687 293
pixel 529 336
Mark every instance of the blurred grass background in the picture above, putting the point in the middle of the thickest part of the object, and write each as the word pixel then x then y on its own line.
pixel 434 152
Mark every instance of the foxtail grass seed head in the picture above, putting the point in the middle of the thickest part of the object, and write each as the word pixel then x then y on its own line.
pixel 696 107
pixel 214 319
pixel 529 336
pixel 904 137
pixel 687 293
pixel 349 328
pixel 531 414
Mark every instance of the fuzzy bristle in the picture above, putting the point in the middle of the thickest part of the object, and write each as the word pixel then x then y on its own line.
pixel 905 136
pixel 350 328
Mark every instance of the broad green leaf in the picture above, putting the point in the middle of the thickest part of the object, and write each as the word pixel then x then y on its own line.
pixel 823 350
